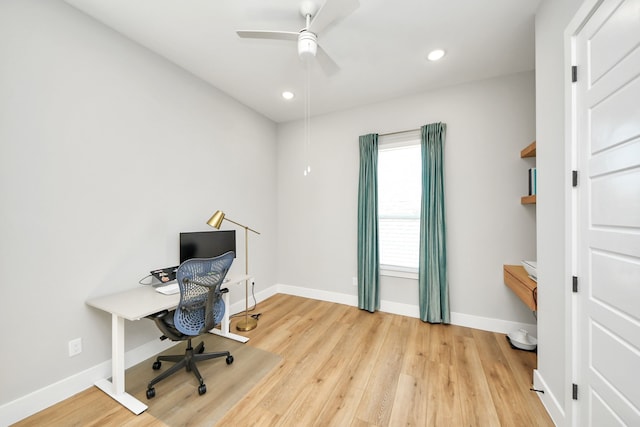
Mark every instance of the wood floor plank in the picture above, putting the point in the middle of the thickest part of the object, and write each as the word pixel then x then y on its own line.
pixel 342 366
pixel 307 382
pixel 370 349
pixel 308 406
pixel 410 403
pixel 417 349
pixel 308 359
pixel 283 316
pixel 440 396
pixel 440 344
pixel 522 363
pixel 359 350
pixel 510 406
pixel 477 406
pixel 376 404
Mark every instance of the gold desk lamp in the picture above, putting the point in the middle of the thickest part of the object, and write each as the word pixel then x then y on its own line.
pixel 215 221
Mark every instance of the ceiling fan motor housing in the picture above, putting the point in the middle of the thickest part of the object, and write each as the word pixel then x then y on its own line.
pixel 307 44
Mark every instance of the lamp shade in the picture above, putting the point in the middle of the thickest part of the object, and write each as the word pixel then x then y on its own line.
pixel 216 220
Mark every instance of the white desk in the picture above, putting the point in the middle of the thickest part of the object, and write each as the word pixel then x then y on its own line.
pixel 135 304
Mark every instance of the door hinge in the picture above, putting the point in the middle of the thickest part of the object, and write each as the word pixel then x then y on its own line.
pixel 574 391
pixel 574 178
pixel 575 284
pixel 574 73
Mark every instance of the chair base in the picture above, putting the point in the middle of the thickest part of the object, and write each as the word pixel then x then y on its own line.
pixel 188 361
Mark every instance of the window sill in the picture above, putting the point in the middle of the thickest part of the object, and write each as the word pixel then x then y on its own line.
pixel 405 273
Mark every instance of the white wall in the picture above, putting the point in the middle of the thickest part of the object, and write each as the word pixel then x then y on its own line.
pixel 554 371
pixel 107 152
pixel 488 123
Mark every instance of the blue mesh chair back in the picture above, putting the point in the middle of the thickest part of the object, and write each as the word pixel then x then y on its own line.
pixel 201 305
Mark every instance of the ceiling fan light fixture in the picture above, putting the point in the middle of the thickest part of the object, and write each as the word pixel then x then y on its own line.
pixel 436 55
pixel 307 44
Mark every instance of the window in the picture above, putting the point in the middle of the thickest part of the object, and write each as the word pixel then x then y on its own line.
pixel 399 196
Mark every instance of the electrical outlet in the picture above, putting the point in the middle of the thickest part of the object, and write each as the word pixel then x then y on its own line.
pixel 75 347
pixel 354 282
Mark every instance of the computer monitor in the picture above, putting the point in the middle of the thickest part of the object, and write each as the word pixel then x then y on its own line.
pixel 206 244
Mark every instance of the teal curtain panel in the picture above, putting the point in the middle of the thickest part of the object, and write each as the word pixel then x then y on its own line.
pixel 368 254
pixel 433 286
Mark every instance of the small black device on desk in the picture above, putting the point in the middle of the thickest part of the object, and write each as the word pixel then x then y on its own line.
pixel 165 275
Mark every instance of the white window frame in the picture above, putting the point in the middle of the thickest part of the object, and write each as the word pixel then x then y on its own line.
pixel 399 140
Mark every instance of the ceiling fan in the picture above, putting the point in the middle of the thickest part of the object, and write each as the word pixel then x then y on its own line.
pixel 316 20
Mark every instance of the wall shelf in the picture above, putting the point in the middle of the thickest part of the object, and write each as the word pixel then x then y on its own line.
pixel 528 200
pixel 516 278
pixel 528 151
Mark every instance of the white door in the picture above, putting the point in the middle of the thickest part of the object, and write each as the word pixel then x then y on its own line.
pixel 607 108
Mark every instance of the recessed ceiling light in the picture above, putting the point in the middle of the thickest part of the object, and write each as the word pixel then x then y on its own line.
pixel 287 95
pixel 435 55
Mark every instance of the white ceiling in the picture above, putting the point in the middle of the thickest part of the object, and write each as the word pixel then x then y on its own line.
pixel 381 48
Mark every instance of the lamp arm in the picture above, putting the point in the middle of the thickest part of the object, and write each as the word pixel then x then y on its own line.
pixel 241 225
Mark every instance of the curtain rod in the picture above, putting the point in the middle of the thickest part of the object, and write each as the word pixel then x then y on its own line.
pixel 398 132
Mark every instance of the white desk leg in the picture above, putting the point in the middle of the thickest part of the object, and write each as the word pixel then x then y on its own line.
pixel 117 353
pixel 115 387
pixel 225 324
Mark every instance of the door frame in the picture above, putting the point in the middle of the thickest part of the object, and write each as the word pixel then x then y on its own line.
pixel 572 151
pixel 572 307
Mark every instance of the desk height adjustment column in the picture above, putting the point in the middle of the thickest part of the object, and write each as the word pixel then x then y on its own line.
pixel 115 387
pixel 225 324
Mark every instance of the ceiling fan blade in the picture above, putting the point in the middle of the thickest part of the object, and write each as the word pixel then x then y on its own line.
pixel 327 64
pixel 275 35
pixel 331 11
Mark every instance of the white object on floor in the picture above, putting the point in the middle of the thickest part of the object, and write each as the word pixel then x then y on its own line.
pixel 523 340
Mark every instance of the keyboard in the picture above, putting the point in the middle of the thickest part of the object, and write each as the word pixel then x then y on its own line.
pixel 170 289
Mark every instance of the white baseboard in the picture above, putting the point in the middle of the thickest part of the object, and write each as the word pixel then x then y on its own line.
pixel 549 400
pixel 31 403
pixel 336 297
pixel 491 324
pixel 409 310
pixel 40 399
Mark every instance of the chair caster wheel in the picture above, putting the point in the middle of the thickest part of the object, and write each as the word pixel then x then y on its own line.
pixel 156 365
pixel 151 392
pixel 229 359
pixel 202 389
pixel 201 350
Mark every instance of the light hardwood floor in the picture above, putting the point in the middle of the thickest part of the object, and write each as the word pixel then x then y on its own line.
pixel 345 367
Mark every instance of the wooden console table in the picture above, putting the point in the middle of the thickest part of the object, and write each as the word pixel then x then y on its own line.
pixel 516 278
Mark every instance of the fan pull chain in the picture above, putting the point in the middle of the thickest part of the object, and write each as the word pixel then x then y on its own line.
pixel 307 118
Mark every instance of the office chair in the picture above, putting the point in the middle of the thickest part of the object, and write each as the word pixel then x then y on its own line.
pixel 201 307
